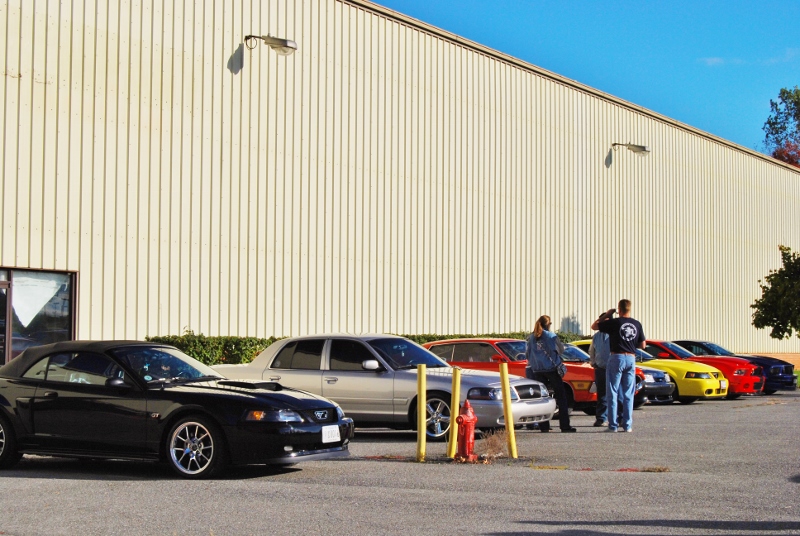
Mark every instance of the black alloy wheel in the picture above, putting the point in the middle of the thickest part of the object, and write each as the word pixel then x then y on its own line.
pixel 195 447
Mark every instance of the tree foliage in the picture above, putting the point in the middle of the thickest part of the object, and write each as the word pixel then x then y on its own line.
pixel 782 128
pixel 779 305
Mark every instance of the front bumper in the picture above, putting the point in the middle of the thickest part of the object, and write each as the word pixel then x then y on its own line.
pixel 746 385
pixel 490 413
pixel 656 390
pixel 285 443
pixel 781 382
pixel 703 388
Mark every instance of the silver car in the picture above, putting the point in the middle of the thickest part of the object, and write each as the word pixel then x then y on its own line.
pixel 374 379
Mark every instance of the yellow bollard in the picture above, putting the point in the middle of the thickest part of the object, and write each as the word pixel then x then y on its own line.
pixel 422 412
pixel 455 408
pixel 509 416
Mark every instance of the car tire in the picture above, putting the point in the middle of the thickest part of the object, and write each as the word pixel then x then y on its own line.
pixel 439 415
pixel 8 445
pixel 195 447
pixel 688 399
pixel 770 391
pixel 733 396
pixel 675 394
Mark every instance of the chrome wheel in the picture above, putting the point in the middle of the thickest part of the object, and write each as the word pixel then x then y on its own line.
pixel 191 448
pixel 437 421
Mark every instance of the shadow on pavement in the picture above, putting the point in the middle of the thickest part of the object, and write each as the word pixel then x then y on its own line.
pixel 83 469
pixel 713 526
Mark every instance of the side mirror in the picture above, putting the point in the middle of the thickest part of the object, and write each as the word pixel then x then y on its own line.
pixel 119 383
pixel 663 355
pixel 498 358
pixel 371 364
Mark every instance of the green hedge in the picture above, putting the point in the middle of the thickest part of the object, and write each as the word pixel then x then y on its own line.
pixel 232 350
pixel 216 350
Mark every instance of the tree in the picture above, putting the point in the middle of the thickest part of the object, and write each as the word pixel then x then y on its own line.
pixel 782 128
pixel 779 305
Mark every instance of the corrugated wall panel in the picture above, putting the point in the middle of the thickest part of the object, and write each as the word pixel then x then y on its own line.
pixel 386 177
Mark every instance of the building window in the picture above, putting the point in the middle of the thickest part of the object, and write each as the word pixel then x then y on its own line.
pixel 36 307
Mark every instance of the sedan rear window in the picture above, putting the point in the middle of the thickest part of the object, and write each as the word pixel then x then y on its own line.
pixel 300 355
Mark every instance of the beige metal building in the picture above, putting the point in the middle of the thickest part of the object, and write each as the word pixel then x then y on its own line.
pixel 159 175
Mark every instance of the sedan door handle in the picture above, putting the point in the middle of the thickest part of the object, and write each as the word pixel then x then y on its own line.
pixel 331 379
pixel 274 378
pixel 51 394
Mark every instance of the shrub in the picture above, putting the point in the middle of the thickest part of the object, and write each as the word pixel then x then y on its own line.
pixel 215 350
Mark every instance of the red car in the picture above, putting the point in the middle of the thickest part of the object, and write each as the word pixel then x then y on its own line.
pixel 743 376
pixel 487 354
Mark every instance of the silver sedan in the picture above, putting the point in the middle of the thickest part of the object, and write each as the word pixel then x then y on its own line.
pixel 374 379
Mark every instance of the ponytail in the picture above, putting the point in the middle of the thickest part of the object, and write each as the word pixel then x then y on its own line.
pixel 540 326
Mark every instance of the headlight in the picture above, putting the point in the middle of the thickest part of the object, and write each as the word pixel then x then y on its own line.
pixel 281 415
pixel 489 393
pixel 340 412
pixel 649 378
pixel 545 392
pixel 699 375
pixel 738 372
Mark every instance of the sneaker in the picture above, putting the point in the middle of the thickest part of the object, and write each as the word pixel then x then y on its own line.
pixel 598 423
pixel 570 429
pixel 628 430
pixel 611 430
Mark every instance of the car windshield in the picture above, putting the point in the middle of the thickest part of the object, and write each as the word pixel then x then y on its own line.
pixel 159 364
pixel 642 356
pixel 680 351
pixel 404 354
pixel 716 349
pixel 573 354
pixel 515 350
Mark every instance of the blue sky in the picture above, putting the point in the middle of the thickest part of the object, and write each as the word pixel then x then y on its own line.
pixel 714 65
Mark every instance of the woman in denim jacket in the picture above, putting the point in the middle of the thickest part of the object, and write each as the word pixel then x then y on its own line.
pixel 544 351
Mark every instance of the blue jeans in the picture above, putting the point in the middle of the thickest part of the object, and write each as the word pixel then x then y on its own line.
pixel 620 388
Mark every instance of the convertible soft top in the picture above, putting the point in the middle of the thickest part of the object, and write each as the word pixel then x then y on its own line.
pixel 17 366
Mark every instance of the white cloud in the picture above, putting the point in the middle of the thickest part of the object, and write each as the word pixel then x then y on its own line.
pixel 712 62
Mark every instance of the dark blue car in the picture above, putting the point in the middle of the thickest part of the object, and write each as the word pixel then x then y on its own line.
pixel 778 374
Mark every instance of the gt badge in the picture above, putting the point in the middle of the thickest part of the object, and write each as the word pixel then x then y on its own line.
pixel 321 415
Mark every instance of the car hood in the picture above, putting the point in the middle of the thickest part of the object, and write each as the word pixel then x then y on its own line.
pixel 763 360
pixel 650 370
pixel 721 361
pixel 679 365
pixel 253 391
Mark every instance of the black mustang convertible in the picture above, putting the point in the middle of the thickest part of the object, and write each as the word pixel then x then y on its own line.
pixel 145 401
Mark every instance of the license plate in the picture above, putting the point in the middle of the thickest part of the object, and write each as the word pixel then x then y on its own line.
pixel 330 434
pixel 723 384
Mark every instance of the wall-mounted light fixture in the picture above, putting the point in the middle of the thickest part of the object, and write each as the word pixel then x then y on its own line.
pixel 638 149
pixel 284 47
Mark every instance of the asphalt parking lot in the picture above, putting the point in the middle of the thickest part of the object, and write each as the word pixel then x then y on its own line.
pixel 723 467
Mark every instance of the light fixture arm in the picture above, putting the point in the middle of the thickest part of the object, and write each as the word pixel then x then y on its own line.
pixel 641 149
pixel 282 46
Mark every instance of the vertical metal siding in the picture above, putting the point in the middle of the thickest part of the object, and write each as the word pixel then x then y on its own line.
pixel 386 177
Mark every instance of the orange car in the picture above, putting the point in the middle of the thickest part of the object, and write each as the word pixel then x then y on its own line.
pixel 487 354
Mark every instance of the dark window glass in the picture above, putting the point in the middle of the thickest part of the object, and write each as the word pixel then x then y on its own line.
pixel 445 351
pixel 473 352
pixel 81 367
pixel 653 350
pixel 38 371
pixel 300 355
pixel 514 350
pixel 348 355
